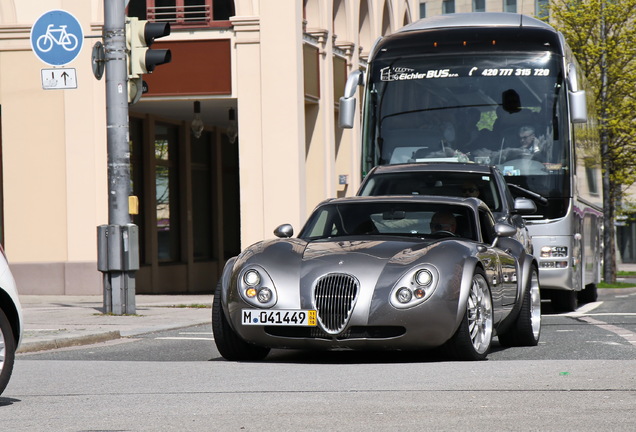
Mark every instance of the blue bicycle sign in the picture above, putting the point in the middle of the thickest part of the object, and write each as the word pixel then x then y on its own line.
pixel 57 37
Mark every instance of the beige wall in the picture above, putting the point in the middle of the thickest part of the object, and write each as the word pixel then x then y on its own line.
pixel 54 141
pixel 54 157
pixel 434 7
pixel 288 156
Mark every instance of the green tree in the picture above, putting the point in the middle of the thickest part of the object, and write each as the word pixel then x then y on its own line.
pixel 602 36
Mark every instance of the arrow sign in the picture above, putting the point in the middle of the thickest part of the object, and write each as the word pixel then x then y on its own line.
pixel 57 38
pixel 54 79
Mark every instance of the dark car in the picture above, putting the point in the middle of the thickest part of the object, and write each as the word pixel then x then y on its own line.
pixel 453 179
pixel 394 273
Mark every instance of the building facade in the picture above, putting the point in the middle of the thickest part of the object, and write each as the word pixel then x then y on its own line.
pixel 236 135
pixel 265 77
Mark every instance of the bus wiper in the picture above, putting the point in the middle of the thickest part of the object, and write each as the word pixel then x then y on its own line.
pixel 529 193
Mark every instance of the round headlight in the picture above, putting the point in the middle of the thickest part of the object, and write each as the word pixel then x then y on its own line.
pixel 423 277
pixel 264 295
pixel 404 295
pixel 252 278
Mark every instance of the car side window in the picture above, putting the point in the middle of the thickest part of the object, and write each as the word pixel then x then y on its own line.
pixel 487 224
pixel 321 225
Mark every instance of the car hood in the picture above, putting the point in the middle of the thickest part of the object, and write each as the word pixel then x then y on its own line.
pixel 375 250
pixel 294 265
pixel 297 259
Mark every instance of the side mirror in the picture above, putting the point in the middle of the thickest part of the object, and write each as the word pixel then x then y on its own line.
pixel 284 231
pixel 348 101
pixel 578 106
pixel 525 206
pixel 503 230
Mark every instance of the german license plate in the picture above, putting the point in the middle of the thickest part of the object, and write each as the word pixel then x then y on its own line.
pixel 279 317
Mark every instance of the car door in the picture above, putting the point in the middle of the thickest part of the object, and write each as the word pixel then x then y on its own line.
pixel 491 258
pixel 501 268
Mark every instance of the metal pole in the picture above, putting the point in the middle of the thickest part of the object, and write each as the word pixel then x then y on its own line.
pixel 609 257
pixel 120 282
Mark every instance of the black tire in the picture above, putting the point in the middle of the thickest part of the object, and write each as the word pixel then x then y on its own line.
pixel 564 301
pixel 589 294
pixel 473 338
pixel 526 329
pixel 230 344
pixel 7 351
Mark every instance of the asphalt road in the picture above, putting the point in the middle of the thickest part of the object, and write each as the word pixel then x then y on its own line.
pixel 580 378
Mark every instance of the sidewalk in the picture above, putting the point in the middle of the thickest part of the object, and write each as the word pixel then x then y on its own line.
pixel 52 322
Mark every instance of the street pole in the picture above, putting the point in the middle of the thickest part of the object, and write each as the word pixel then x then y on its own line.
pixel 609 255
pixel 118 247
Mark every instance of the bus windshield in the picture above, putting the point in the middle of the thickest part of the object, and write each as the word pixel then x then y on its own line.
pixel 502 109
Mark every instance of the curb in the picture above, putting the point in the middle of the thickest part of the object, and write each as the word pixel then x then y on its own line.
pixel 30 347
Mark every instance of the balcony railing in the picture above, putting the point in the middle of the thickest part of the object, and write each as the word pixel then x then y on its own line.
pixel 182 15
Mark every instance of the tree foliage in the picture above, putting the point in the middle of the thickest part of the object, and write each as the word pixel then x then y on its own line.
pixel 602 36
pixel 581 24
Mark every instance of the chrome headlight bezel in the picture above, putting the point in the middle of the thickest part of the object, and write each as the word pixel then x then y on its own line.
pixel 414 287
pixel 256 287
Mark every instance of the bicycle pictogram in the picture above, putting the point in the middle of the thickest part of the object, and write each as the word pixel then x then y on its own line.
pixel 57 36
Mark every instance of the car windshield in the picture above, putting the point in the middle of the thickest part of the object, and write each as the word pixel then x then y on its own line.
pixel 424 220
pixel 440 183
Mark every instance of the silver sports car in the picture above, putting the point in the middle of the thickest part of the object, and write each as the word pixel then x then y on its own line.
pixel 395 273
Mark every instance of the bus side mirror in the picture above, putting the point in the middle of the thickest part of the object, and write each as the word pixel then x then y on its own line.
pixel 348 101
pixel 578 106
pixel 525 206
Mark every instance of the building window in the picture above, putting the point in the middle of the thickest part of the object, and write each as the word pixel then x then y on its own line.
pixel 167 192
pixel 203 196
pixel 510 6
pixel 479 5
pixel 182 13
pixel 448 6
pixel 542 8
pixel 422 9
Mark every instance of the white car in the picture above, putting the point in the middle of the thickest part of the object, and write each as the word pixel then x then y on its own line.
pixel 10 321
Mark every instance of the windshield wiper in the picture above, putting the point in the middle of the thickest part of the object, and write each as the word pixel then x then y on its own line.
pixel 529 193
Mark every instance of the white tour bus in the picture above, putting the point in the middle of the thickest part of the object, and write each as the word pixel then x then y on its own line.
pixel 500 89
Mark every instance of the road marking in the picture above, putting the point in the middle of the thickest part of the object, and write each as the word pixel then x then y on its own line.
pixel 195 333
pixel 619 331
pixel 183 338
pixel 583 310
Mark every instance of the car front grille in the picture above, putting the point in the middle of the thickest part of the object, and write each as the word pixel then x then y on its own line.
pixel 334 297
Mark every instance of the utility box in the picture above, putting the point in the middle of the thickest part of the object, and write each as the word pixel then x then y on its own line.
pixel 117 247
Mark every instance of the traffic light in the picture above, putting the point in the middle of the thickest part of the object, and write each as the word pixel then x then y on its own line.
pixel 140 35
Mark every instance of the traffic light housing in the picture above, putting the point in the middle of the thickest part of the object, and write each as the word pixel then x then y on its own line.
pixel 140 35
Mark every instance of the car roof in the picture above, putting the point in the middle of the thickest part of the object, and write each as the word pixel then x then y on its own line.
pixel 482 19
pixel 431 199
pixel 433 166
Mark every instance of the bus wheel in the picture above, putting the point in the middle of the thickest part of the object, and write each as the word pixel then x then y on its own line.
pixel 564 301
pixel 589 294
